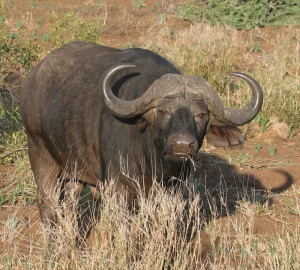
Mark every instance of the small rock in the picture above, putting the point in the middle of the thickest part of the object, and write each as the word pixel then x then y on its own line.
pixel 282 130
pixel 277 130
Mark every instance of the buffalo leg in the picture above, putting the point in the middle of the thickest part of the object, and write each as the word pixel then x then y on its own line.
pixel 46 172
pixel 72 190
pixel 88 212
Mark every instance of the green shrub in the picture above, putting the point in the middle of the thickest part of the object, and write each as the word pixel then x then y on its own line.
pixel 71 27
pixel 191 12
pixel 16 54
pixel 242 14
pixel 12 135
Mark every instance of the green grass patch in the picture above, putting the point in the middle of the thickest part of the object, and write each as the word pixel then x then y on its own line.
pixel 242 14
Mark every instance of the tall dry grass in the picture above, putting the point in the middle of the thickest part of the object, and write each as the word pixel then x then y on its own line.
pixel 165 231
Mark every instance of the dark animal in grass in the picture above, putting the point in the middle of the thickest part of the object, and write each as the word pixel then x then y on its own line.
pixel 98 109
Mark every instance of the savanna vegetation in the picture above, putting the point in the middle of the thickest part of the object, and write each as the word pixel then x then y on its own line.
pixel 261 38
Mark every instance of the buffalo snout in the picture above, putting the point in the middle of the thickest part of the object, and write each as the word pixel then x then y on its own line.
pixel 183 144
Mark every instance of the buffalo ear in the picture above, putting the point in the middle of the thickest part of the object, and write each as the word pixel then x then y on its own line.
pixel 221 134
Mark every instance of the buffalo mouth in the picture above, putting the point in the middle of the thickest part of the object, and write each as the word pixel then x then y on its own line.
pixel 178 165
pixel 179 157
pixel 182 155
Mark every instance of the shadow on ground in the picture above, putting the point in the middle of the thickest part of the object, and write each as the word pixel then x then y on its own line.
pixel 222 186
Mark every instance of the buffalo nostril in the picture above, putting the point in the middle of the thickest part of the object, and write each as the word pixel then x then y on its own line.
pixel 183 143
pixel 191 145
pixel 174 142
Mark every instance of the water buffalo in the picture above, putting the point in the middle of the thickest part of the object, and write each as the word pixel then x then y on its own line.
pixel 97 109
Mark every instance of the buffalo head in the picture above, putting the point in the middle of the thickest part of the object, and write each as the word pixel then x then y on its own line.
pixel 178 111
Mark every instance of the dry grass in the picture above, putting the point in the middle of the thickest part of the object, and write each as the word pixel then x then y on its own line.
pixel 166 231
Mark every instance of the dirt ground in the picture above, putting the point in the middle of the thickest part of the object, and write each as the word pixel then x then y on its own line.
pixel 258 167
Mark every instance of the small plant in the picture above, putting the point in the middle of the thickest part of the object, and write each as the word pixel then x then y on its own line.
pixel 19 25
pixel 258 147
pixel 263 121
pixel 240 159
pixel 272 150
pixel 128 45
pixel 137 4
pixel 190 12
pixel 162 17
pixel 3 198
pixel 40 22
pixel 12 223
pixel 98 3
pixel 2 19
pixel 8 262
pixel 45 37
pixel 170 31
pixel 33 4
pixel 292 132
pixel 23 193
pixel 256 47
pixel 22 188
pixel 12 135
pixel 14 194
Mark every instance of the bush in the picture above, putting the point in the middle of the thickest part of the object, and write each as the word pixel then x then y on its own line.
pixel 12 139
pixel 17 56
pixel 16 53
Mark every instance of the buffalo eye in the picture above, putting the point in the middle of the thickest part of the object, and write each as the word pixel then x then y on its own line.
pixel 201 115
pixel 163 112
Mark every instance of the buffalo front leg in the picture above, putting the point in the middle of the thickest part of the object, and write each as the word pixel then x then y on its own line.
pixel 71 194
pixel 81 206
pixel 46 171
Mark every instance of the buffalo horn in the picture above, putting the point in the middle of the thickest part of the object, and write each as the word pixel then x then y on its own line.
pixel 125 108
pixel 245 114
pixel 148 100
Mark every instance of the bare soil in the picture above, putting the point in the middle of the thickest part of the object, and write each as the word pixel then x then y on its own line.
pixel 260 172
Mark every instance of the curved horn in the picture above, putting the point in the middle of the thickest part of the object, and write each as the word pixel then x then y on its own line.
pixel 247 113
pixel 236 116
pixel 158 89
pixel 124 108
